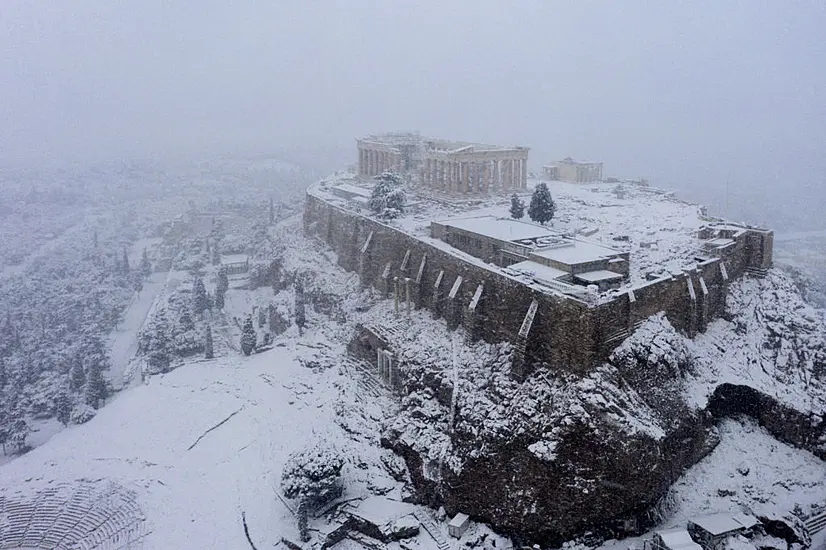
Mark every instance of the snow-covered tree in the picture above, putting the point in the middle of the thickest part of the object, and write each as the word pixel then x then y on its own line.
pixel 13 426
pixel 272 212
pixel 77 376
pixel 63 407
pixel 124 264
pixel 300 312
pixel 146 265
pixel 542 206
pixel 4 376
pixel 96 388
pixel 199 297
pixel 387 199
pixel 221 288
pixel 248 337
pixel 517 207
pixel 312 475
pixel 208 343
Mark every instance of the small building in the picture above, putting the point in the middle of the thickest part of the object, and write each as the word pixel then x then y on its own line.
pixel 235 263
pixel 458 525
pixel 573 171
pixel 672 539
pixel 536 251
pixel 352 193
pixel 712 530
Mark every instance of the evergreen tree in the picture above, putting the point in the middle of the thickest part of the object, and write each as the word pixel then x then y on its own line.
pixel 542 206
pixel 248 338
pixel 77 376
pixel 216 254
pixel 221 288
pixel 125 263
pixel 4 377
pixel 95 238
pixel 387 198
pixel 63 407
pixel 272 212
pixel 199 297
pixel 96 387
pixel 13 426
pixel 146 266
pixel 300 313
pixel 208 343
pixel 517 207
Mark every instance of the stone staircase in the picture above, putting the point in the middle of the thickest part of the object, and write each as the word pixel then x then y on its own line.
pixel 368 383
pixel 757 272
pixel 816 523
pixel 432 530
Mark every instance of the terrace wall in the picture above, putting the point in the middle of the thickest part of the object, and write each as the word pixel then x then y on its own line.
pixel 566 333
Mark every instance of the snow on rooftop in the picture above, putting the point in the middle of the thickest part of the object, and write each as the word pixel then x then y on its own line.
pixel 678 539
pixel 504 229
pixel 599 275
pixel 234 258
pixel 459 520
pixel 538 271
pixel 353 189
pixel 578 252
pixel 717 524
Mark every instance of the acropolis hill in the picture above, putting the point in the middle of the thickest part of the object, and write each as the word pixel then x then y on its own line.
pixel 564 294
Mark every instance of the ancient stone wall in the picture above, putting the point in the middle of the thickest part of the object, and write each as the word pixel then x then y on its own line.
pixel 566 333
pixel 563 333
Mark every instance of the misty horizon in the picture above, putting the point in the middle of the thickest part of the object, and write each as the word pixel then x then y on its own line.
pixel 719 101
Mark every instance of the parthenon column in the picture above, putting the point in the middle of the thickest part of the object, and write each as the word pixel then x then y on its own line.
pixel 524 174
pixel 485 178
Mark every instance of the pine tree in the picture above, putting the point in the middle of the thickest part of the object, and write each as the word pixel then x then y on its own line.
pixel 125 263
pixel 77 376
pixel 146 266
pixel 208 343
pixel 542 206
pixel 300 313
pixel 199 298
pixel 96 388
pixel 517 207
pixel 387 199
pixel 216 255
pixel 248 338
pixel 221 288
pixel 63 407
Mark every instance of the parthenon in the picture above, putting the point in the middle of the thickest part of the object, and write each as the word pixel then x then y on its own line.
pixel 451 167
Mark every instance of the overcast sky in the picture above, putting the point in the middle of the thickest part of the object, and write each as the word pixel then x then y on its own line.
pixel 691 95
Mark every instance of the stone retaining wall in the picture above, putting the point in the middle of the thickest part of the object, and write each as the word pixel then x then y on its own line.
pixel 566 333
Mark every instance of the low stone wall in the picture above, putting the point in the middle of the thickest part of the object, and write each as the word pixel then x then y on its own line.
pixel 566 333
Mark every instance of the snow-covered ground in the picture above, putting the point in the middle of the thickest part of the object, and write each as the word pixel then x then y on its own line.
pixel 658 229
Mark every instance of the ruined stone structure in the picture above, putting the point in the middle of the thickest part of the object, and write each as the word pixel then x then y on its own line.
pixel 572 171
pixel 546 327
pixel 450 167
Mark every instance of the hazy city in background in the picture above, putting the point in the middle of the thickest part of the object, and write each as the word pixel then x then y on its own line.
pixel 719 100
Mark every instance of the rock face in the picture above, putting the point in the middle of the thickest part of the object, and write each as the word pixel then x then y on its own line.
pixel 544 460
pixel 562 453
pixel 806 431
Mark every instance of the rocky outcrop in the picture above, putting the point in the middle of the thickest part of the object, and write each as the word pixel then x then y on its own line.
pixel 803 430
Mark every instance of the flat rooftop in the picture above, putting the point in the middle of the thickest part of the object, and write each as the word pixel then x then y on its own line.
pixel 578 251
pixel 503 229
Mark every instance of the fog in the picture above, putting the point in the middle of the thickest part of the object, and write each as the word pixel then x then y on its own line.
pixel 720 100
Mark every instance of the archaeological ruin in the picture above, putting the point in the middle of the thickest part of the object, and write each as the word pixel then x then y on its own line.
pixel 562 301
pixel 449 167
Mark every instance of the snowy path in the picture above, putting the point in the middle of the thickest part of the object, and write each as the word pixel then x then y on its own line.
pixel 123 340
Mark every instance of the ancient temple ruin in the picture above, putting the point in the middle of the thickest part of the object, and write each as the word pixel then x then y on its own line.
pixel 448 167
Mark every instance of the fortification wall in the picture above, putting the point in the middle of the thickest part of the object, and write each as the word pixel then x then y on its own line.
pixel 566 333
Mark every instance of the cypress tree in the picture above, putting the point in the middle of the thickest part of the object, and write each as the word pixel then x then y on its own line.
pixel 77 376
pixel 208 343
pixel 542 206
pixel 248 338
pixel 199 297
pixel 300 312
pixel 517 207
pixel 125 263
pixel 63 407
